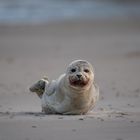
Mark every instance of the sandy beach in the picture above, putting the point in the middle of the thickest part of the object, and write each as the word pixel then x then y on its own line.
pixel 28 52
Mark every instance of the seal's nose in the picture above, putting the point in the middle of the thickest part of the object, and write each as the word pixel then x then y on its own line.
pixel 79 75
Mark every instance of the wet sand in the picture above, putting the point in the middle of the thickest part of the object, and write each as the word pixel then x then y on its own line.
pixel 28 52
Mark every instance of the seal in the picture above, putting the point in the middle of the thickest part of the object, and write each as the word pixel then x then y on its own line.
pixel 73 93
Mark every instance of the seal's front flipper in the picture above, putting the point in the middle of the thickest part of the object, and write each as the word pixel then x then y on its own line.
pixel 39 87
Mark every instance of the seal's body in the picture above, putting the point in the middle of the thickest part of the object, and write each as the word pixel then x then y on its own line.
pixel 74 92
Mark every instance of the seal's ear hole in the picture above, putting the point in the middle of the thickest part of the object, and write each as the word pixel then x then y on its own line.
pixel 73 70
pixel 86 70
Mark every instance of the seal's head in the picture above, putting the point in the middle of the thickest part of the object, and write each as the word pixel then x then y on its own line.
pixel 80 74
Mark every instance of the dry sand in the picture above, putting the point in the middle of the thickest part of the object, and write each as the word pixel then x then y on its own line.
pixel 28 52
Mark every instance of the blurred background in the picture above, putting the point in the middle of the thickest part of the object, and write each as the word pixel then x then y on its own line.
pixel 41 37
pixel 39 11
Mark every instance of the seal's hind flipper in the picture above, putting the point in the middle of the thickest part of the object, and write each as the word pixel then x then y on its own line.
pixel 39 87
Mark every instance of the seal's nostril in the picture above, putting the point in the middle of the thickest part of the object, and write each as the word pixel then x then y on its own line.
pixel 79 75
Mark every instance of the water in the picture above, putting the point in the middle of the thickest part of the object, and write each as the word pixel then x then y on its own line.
pixel 19 11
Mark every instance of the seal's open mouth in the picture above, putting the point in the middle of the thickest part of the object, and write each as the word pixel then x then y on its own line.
pixel 78 83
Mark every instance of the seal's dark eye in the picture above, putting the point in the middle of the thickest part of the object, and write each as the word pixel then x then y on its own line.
pixel 73 70
pixel 86 70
